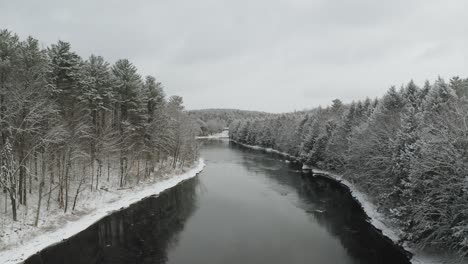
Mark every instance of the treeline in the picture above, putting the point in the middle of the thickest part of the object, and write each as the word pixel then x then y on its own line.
pixel 212 121
pixel 407 150
pixel 66 121
pixel 211 126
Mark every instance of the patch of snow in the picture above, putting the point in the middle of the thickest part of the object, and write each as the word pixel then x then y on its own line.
pixel 306 167
pixel 105 205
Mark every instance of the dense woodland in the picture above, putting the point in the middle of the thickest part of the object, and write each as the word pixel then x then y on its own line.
pixel 408 150
pixel 212 121
pixel 67 123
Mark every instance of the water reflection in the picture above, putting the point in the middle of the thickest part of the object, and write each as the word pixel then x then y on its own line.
pixel 329 203
pixel 142 233
pixel 344 218
pixel 245 207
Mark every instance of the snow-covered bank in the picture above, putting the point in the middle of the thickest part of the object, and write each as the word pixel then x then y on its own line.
pixel 377 219
pixel 270 150
pixel 108 203
pixel 224 134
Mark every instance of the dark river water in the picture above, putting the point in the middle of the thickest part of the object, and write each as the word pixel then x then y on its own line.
pixel 245 207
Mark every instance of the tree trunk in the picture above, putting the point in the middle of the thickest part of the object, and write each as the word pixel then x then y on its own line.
pixel 138 170
pixel 13 204
pixel 60 182
pixel 67 178
pixel 35 172
pixel 77 192
pixel 6 201
pixel 50 194
pixel 51 182
pixel 125 170
pixel 21 176
pixel 2 114
pixel 108 168
pixel 92 170
pixel 25 187
pixel 35 165
pixel 41 186
pixel 121 170
pixel 98 174
pixel 176 155
pixel 147 173
pixel 93 145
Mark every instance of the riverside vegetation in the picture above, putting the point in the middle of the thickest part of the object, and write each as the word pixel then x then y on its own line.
pixel 68 124
pixel 408 150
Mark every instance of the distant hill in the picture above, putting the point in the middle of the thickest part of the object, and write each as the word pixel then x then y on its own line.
pixel 226 115
pixel 212 121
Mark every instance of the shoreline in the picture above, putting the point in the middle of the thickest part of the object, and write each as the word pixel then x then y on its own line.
pixel 20 252
pixel 375 218
pixel 220 135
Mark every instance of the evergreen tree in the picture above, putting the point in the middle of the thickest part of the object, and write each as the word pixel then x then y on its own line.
pixel 407 150
pixel 127 88
pixel 60 116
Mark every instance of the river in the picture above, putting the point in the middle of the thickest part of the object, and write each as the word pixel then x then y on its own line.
pixel 245 207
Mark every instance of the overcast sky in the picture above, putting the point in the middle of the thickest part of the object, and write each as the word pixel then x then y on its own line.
pixel 267 55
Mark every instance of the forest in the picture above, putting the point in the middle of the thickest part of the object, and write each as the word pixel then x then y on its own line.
pixel 212 121
pixel 70 124
pixel 407 150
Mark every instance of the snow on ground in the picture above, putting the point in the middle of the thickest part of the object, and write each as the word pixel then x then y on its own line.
pixel 377 219
pixel 17 248
pixel 224 134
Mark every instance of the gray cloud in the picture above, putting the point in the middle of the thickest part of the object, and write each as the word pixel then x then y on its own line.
pixel 263 55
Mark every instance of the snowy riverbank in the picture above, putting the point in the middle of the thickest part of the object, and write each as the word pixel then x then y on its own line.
pixel 108 202
pixel 224 134
pixel 377 219
pixel 270 150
